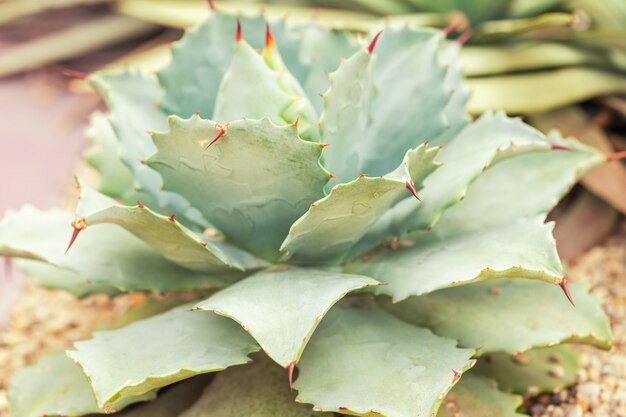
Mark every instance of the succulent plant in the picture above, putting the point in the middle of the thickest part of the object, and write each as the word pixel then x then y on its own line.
pixel 371 290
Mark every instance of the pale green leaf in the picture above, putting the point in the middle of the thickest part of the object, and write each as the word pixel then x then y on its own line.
pixel 159 351
pixel 259 389
pixel 521 249
pixel 478 396
pixel 538 312
pixel 252 184
pixel 56 386
pixel 334 224
pixel 547 369
pixel 363 361
pixel 131 98
pixel 282 308
pixel 166 235
pixel 104 259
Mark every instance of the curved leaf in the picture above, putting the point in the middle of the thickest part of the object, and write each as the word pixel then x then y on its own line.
pixel 334 224
pixel 159 351
pixel 259 389
pixel 56 386
pixel 522 249
pixel 477 396
pixel 251 184
pixel 547 369
pixel 170 238
pixel 130 97
pixel 363 361
pixel 106 258
pixel 541 315
pixel 282 308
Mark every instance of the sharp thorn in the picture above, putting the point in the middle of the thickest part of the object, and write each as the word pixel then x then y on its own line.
pixel 139 205
pixel 324 145
pixel 172 218
pixel 465 37
pixel 78 224
pixel 411 188
pixel 333 176
pixel 290 368
pixel 238 36
pixel 74 74
pixel 565 288
pixel 220 131
pixel 616 156
pixel 452 27
pixel 295 124
pixel 269 39
pixel 211 5
pixel 561 148
pixel 372 44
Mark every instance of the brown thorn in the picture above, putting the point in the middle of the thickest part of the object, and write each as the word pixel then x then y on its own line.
pixel 290 368
pixel 565 288
pixel 78 224
pixel 172 218
pixel 324 145
pixel 465 37
pixel 372 44
pixel 616 156
pixel 211 5
pixel 74 74
pixel 561 148
pixel 238 36
pixel 411 188
pixel 295 124
pixel 452 27
pixel 220 131
pixel 139 205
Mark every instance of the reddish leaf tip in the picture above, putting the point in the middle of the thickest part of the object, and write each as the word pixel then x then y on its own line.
pixel 220 130
pixel 616 156
pixel 565 288
pixel 290 369
pixel 465 37
pixel 78 224
pixel 561 148
pixel 411 188
pixel 74 74
pixel 372 44
pixel 269 39
pixel 238 36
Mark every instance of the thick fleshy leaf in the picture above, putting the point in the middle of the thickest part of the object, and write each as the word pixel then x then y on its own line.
pixel 481 145
pixel 130 97
pixel 250 89
pixel 372 130
pixel 547 369
pixel 166 235
pixel 259 389
pixel 333 225
pixel 282 308
pixel 539 313
pixel 56 386
pixel 116 180
pixel 107 258
pixel 522 249
pixel 524 186
pixel 201 58
pixel 363 361
pixel 159 351
pixel 252 184
pixel 172 401
pixel 478 396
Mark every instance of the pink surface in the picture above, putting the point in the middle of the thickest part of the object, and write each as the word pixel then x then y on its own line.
pixel 41 138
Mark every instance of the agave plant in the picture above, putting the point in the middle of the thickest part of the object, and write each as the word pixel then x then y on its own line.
pixel 371 290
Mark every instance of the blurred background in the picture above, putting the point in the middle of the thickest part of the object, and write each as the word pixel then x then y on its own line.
pixel 557 63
